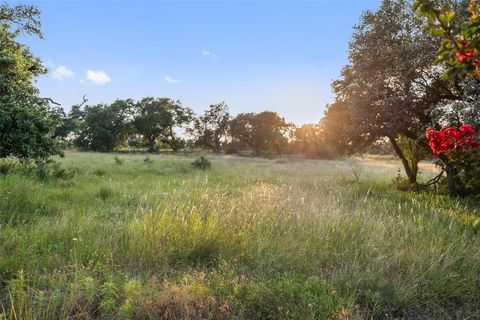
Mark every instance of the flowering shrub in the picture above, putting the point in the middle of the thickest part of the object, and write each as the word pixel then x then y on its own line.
pixel 446 139
pixel 456 148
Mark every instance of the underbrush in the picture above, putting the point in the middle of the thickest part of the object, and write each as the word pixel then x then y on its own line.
pixel 43 172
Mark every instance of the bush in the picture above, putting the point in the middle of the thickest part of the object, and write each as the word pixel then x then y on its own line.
pixel 201 163
pixel 52 170
pixel 99 172
pixel 147 160
pixel 7 167
pixel 105 192
pixel 118 160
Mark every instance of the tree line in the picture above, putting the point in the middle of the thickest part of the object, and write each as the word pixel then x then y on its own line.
pixel 152 124
pixel 33 128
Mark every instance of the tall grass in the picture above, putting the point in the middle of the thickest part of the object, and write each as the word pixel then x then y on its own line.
pixel 248 239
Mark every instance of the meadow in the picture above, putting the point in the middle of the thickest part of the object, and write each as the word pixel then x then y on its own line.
pixel 250 238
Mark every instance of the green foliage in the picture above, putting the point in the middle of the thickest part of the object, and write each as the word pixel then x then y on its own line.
pixel 211 129
pixel 118 161
pixel 7 166
pixel 49 170
pixel 147 160
pixel 201 163
pixel 385 99
pixel 265 133
pixel 105 193
pixel 459 31
pixel 27 127
pixel 156 119
pixel 308 140
pixel 104 127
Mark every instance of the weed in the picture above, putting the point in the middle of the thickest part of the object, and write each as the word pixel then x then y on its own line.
pixel 105 193
pixel 118 161
pixel 201 163
pixel 147 160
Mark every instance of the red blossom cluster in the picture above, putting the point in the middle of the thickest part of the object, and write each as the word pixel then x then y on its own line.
pixel 446 139
pixel 465 53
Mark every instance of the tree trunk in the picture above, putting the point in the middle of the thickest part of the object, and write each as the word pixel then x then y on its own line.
pixel 451 171
pixel 411 174
pixel 452 186
pixel 218 147
pixel 151 145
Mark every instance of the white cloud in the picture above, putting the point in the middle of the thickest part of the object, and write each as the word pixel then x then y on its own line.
pixel 207 53
pixel 98 77
pixel 62 73
pixel 171 80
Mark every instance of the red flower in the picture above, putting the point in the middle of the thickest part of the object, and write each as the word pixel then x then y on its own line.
pixel 464 54
pixel 468 131
pixel 448 138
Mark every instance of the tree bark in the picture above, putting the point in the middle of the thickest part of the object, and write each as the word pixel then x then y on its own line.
pixel 452 186
pixel 218 147
pixel 151 145
pixel 451 171
pixel 411 174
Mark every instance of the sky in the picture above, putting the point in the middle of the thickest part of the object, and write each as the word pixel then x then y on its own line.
pixel 266 55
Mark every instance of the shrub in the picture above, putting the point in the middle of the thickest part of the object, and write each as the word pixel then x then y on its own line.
pixel 58 172
pixel 51 170
pixel 7 167
pixel 201 163
pixel 99 172
pixel 118 160
pixel 104 193
pixel 147 160
pixel 458 151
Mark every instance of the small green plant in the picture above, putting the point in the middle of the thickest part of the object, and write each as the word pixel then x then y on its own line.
pixel 357 171
pixel 59 172
pixel 147 160
pixel 202 163
pixel 402 183
pixel 99 172
pixel 52 170
pixel 6 167
pixel 104 193
pixel 118 160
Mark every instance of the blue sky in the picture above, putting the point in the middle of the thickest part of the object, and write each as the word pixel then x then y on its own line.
pixel 280 56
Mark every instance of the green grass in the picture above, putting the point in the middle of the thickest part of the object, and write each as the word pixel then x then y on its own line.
pixel 246 239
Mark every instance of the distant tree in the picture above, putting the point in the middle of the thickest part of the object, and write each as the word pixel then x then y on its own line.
pixel 265 133
pixel 68 123
pixel 104 127
pixel 26 126
pixel 211 129
pixel 308 140
pixel 336 128
pixel 157 119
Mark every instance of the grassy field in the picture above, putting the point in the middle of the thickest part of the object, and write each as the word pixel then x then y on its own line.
pixel 247 239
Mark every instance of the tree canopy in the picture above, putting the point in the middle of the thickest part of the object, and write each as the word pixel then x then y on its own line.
pixel 27 128
pixel 265 132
